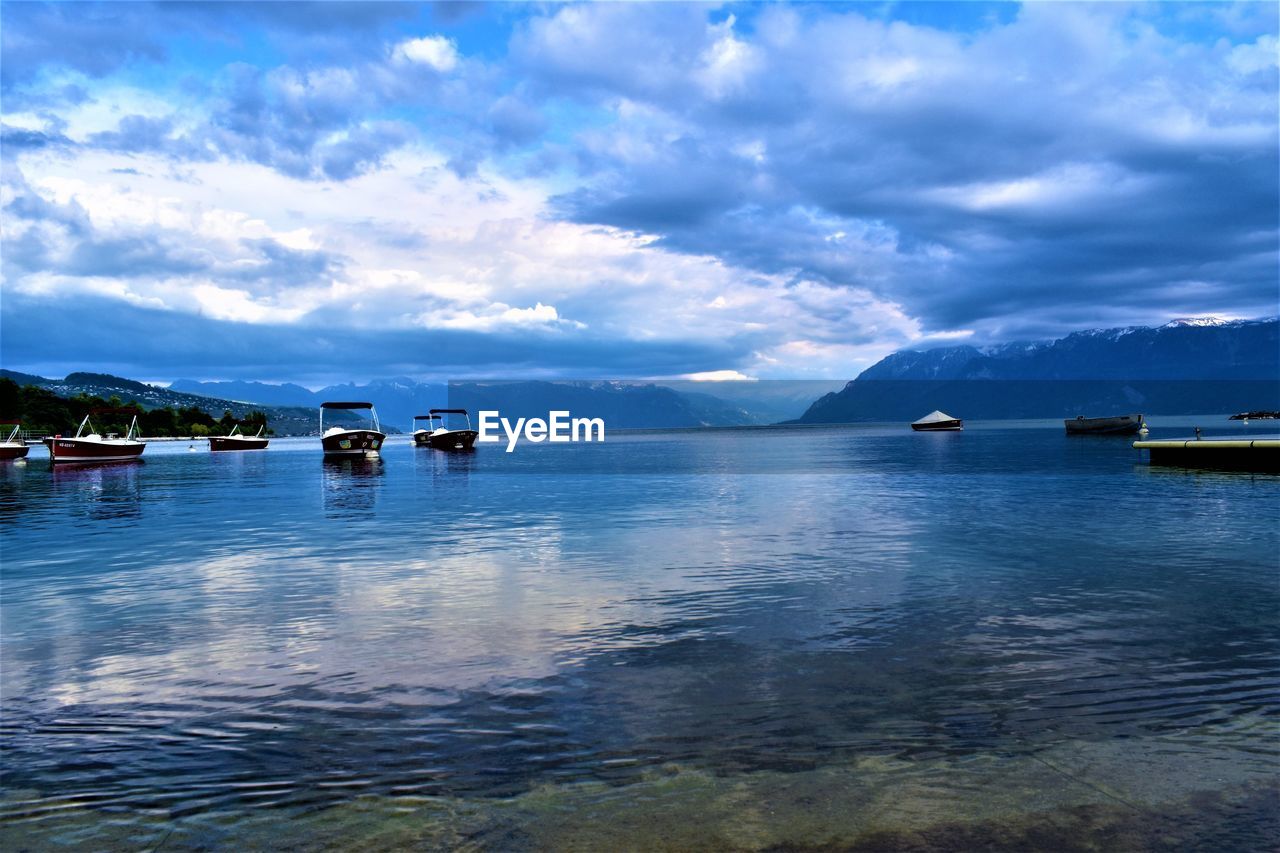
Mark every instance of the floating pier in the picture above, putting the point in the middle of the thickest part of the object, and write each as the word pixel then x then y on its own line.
pixel 1241 454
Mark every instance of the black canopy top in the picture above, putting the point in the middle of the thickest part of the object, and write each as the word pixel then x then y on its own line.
pixel 448 411
pixel 346 405
pixel 425 417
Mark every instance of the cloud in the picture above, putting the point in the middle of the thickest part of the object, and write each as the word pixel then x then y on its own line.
pixel 1021 169
pixel 435 52
pixel 99 38
pixel 114 335
pixel 793 190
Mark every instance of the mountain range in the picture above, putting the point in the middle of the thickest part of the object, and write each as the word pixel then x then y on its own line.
pixel 623 405
pixel 1192 366
pixel 1189 366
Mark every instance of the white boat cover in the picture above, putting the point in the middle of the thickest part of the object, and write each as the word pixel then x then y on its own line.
pixel 934 417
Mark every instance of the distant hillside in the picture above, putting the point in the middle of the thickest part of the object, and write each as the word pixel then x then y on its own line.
pixel 24 378
pixel 622 405
pixel 768 400
pixel 284 420
pixel 1188 366
pixel 251 392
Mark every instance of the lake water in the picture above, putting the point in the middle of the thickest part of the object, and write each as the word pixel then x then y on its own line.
pixel 733 639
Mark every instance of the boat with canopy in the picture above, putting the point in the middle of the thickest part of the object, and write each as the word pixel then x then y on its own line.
pixel 345 442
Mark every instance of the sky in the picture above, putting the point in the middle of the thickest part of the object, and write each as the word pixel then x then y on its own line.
pixel 341 192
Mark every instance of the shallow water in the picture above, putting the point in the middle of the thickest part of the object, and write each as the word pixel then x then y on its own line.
pixel 735 638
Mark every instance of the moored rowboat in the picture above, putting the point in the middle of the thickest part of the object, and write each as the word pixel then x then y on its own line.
pixel 13 447
pixel 232 441
pixel 1117 425
pixel 92 447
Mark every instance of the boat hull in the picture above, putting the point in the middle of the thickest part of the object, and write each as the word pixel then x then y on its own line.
pixel 13 451
pixel 939 426
pixel 86 450
pixel 454 439
pixel 218 443
pixel 422 438
pixel 352 443
pixel 1119 425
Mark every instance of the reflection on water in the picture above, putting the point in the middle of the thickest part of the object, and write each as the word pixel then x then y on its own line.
pixel 770 638
pixel 103 490
pixel 350 486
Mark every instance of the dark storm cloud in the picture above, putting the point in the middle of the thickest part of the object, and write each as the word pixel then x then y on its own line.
pixel 58 335
pixel 1027 170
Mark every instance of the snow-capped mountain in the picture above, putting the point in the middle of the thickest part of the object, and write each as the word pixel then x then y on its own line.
pixel 1199 322
pixel 1192 365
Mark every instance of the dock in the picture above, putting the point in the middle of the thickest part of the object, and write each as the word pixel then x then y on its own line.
pixel 1261 453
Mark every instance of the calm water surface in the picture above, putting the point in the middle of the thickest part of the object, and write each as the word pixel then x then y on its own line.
pixel 992 630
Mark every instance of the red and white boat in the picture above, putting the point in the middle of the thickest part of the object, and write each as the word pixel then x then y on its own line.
pixel 342 442
pixel 235 440
pixel 91 447
pixel 13 447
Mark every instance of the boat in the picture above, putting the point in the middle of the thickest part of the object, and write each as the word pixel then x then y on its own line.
pixel 1117 425
pixel 235 440
pixel 13 447
pixel 89 446
pixel 421 437
pixel 340 441
pixel 443 438
pixel 937 421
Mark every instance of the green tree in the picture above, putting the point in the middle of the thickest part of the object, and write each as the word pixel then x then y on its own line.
pixel 10 399
pixel 253 421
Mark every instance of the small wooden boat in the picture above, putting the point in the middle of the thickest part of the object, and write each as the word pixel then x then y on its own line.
pixel 340 442
pixel 937 421
pixel 92 447
pixel 443 438
pixel 13 447
pixel 1117 425
pixel 235 440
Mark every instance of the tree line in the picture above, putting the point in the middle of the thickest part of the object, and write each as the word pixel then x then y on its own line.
pixel 44 412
